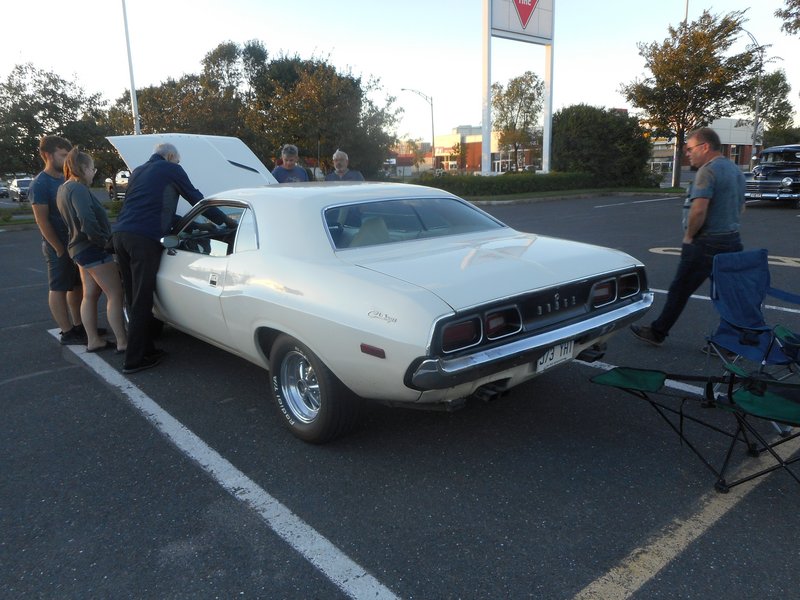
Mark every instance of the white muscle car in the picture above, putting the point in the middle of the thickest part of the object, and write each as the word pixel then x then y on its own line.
pixel 397 293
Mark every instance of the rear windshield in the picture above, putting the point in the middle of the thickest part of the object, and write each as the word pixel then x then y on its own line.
pixel 23 182
pixel 393 221
pixel 776 157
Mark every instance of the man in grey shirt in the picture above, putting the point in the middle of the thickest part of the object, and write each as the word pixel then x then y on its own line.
pixel 711 227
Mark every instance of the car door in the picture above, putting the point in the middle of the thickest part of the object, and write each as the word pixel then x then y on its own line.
pixel 192 276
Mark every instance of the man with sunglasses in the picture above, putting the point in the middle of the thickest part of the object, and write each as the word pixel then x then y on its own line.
pixel 710 223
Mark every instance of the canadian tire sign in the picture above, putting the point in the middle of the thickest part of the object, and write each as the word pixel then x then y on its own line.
pixel 525 10
pixel 524 20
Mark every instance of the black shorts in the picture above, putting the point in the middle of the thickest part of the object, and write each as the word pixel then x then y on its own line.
pixel 62 272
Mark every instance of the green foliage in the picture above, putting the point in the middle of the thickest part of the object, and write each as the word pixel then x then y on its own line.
pixel 790 15
pixel 781 137
pixel 240 92
pixel 34 103
pixel 607 143
pixel 692 78
pixel 517 183
pixel 775 109
pixel 516 109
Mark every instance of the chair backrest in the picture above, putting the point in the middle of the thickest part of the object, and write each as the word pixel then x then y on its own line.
pixel 373 231
pixel 739 284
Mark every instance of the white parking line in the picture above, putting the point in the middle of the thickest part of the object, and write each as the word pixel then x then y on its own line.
pixel 769 306
pixel 334 564
pixel 645 562
pixel 639 202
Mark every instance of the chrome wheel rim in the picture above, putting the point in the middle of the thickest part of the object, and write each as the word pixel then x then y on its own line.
pixel 300 386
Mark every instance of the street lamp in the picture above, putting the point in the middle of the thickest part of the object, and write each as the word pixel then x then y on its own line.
pixel 429 100
pixel 760 49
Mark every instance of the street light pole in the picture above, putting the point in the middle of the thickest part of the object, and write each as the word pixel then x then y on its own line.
pixel 134 105
pixel 760 49
pixel 429 100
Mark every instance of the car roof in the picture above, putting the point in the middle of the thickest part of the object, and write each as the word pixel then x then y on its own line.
pixel 784 148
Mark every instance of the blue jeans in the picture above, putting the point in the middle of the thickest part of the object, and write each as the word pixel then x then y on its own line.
pixel 697 259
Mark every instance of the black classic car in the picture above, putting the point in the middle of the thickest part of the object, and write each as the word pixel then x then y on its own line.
pixel 777 175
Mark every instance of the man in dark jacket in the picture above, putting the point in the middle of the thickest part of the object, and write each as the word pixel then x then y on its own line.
pixel 146 216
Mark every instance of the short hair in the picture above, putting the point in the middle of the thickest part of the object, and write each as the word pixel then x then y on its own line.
pixel 341 153
pixel 76 160
pixel 50 143
pixel 166 149
pixel 706 135
pixel 289 150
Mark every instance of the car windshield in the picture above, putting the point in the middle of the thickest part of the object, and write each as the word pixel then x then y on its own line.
pixel 23 182
pixel 392 221
pixel 778 157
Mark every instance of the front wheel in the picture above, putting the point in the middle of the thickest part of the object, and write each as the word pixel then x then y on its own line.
pixel 314 404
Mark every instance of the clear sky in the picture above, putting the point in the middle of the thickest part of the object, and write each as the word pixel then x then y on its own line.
pixel 434 46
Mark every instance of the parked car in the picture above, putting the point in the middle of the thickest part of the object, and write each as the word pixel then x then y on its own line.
pixel 117 186
pixel 402 294
pixel 19 189
pixel 777 176
pixel 3 190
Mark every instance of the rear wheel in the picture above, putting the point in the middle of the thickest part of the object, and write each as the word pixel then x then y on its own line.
pixel 314 404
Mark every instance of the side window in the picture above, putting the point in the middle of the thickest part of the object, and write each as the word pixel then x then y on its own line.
pixel 247 237
pixel 211 232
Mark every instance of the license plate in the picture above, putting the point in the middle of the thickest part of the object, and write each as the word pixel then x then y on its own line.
pixel 754 195
pixel 556 355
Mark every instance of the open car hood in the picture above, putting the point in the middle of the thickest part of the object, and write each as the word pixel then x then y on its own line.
pixel 214 163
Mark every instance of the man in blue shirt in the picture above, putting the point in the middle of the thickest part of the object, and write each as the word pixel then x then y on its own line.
pixel 711 227
pixel 146 216
pixel 289 172
pixel 341 172
pixel 64 279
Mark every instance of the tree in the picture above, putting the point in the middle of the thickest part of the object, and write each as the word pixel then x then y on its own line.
pixel 790 15
pixel 516 111
pixel 775 109
pixel 34 103
pixel 608 143
pixel 692 79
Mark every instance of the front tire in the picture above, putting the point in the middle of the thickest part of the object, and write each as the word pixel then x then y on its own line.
pixel 314 404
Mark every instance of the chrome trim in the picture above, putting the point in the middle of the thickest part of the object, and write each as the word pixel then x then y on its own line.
pixel 515 308
pixel 442 373
pixel 613 280
pixel 464 320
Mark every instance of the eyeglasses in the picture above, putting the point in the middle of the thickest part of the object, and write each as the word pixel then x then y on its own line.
pixel 690 148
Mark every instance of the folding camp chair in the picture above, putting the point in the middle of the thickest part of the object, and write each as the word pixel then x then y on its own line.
pixel 748 397
pixel 740 283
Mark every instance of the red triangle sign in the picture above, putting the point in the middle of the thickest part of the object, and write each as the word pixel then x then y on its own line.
pixel 525 10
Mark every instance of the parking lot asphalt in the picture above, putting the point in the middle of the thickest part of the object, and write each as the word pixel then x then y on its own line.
pixel 181 482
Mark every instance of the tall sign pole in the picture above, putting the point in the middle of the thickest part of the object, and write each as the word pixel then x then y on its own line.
pixel 486 123
pixel 529 21
pixel 134 105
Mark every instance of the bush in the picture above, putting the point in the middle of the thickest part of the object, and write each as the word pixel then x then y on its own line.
pixel 514 183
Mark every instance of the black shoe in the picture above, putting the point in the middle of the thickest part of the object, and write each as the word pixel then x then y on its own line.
pixel 147 362
pixel 646 334
pixel 73 337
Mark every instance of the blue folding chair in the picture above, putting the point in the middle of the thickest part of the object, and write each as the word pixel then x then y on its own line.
pixel 740 283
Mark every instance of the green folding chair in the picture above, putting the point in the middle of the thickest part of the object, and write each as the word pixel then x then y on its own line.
pixel 748 398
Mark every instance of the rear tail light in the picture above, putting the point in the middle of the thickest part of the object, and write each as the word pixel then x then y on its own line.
pixel 604 292
pixel 461 334
pixel 629 285
pixel 503 322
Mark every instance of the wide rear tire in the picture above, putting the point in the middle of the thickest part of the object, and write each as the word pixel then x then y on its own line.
pixel 314 404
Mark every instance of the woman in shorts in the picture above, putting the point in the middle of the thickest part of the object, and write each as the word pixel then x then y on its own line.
pixel 89 231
